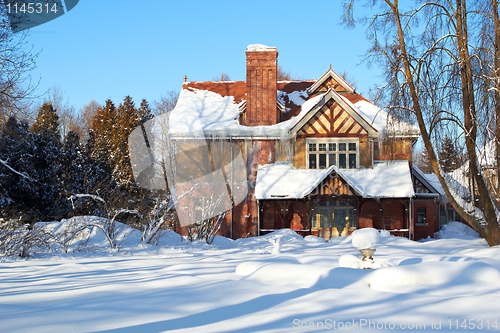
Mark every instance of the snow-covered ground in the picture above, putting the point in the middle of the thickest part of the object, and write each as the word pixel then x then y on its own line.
pixel 275 283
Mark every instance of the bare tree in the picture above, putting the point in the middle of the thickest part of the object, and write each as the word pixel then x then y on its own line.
pixel 221 77
pixel 16 62
pixel 432 73
pixel 166 103
pixel 66 112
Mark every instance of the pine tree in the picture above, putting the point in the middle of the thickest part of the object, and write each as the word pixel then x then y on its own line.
pixel 18 192
pixel 47 154
pixel 129 117
pixel 46 121
pixel 449 158
pixel 84 175
pixel 102 131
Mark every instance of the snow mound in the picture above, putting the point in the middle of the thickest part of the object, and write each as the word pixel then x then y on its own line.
pixel 223 242
pixel 299 275
pixel 286 236
pixel 433 273
pixel 457 230
pixel 281 274
pixel 366 238
pixel 314 239
pixel 248 267
pixel 350 261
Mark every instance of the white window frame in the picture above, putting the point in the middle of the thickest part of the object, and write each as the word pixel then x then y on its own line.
pixel 327 141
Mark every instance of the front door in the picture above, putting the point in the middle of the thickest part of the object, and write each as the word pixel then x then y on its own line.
pixel 333 218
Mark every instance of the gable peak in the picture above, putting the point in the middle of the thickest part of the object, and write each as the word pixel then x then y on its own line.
pixel 331 80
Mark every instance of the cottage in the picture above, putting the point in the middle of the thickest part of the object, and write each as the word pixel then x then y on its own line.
pixel 317 157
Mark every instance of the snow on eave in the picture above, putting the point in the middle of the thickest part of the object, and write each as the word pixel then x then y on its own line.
pixel 336 77
pixel 383 121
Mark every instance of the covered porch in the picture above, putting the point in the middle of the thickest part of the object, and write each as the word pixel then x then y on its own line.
pixel 333 203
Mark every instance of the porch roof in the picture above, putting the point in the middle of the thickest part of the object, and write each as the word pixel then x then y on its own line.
pixel 385 180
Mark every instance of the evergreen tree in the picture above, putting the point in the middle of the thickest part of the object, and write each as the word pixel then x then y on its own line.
pixel 46 121
pixel 47 154
pixel 102 131
pixel 84 175
pixel 128 117
pixel 19 193
pixel 449 158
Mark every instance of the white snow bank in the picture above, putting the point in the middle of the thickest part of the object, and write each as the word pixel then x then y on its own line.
pixel 435 272
pixel 366 238
pixel 457 230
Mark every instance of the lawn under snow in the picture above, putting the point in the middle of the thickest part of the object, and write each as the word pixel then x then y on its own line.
pixel 258 284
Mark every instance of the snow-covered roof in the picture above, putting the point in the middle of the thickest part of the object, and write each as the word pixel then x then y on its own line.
pixel 214 108
pixel 282 181
pixel 390 179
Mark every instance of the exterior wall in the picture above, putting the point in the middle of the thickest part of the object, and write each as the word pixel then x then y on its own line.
pixel 299 154
pixel 246 214
pixel 277 214
pixel 365 153
pixel 394 215
pixel 388 214
pixel 370 215
pixel 284 150
pixel 395 149
pixel 261 87
pixel 428 229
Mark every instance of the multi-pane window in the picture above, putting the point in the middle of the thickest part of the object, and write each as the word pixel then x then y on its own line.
pixel 323 153
pixel 421 215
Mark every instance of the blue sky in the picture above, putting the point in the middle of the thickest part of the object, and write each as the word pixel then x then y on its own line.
pixel 113 48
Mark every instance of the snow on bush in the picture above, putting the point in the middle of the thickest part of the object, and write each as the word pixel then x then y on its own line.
pixel 366 238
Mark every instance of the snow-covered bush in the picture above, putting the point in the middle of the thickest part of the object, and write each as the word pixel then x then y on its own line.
pixel 109 225
pixel 23 239
pixel 159 218
pixel 207 229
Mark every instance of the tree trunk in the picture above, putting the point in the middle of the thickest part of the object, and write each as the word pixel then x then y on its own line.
pixel 490 231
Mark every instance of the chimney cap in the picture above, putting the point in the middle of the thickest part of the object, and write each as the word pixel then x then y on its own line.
pixel 259 48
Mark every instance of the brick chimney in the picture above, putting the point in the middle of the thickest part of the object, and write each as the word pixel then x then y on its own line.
pixel 261 85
